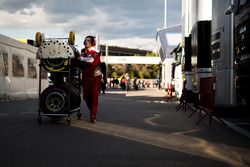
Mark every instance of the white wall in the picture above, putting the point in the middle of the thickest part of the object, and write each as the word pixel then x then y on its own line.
pixel 13 87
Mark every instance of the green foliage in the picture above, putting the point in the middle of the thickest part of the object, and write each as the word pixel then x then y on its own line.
pixel 114 74
pixel 146 71
pixel 151 54
pixel 140 75
pixel 142 71
pixel 132 74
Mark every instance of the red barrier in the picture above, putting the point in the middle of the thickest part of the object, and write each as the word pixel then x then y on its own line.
pixel 206 99
pixel 207 91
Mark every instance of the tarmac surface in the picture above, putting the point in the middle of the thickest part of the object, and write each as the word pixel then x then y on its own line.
pixel 134 128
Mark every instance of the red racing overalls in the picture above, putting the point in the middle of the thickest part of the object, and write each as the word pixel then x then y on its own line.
pixel 91 75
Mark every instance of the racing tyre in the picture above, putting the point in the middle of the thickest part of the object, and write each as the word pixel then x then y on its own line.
pixel 54 100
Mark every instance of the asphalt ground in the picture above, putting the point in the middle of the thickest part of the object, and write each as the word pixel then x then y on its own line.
pixel 135 128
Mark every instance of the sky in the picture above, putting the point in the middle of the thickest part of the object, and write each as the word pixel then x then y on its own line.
pixel 125 23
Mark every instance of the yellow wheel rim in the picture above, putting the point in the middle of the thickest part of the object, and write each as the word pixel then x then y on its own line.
pixel 58 68
pixel 71 38
pixel 38 39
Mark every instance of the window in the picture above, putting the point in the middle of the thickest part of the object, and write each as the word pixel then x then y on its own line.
pixel 32 73
pixel 4 63
pixel 17 66
pixel 241 5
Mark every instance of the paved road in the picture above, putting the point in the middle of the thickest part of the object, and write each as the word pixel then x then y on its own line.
pixel 132 129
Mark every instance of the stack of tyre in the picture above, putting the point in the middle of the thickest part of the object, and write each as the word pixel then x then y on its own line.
pixel 62 96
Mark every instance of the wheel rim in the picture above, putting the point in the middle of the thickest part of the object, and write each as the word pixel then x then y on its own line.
pixel 55 65
pixel 55 102
pixel 55 62
pixel 71 38
pixel 38 39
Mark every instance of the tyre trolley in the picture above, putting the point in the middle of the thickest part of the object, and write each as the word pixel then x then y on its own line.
pixel 58 59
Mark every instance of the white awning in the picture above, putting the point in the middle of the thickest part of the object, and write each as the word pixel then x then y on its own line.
pixel 166 40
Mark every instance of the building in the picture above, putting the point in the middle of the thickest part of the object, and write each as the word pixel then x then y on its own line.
pixel 122 51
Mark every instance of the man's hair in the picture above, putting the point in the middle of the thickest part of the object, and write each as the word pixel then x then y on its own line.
pixel 93 41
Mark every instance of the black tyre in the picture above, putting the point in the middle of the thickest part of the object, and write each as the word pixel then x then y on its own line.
pixel 54 99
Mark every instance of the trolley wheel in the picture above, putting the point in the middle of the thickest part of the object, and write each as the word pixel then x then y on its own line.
pixel 71 38
pixel 68 120
pixel 39 120
pixel 38 39
pixel 79 115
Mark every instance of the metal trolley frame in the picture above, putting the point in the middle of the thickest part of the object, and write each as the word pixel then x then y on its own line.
pixel 68 111
pixel 59 95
